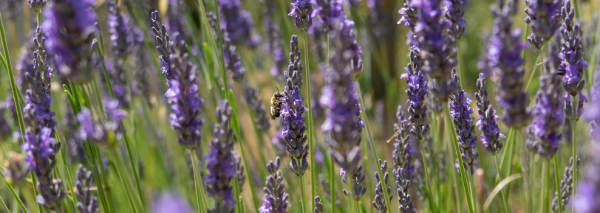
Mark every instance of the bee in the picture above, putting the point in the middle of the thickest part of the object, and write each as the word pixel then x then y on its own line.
pixel 276 104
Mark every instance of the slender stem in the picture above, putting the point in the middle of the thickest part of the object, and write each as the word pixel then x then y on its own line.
pixel 310 122
pixel 372 142
pixel 545 186
pixel 332 184
pixel 463 173
pixel 574 143
pixel 576 5
pixel 14 194
pixel 124 182
pixel 557 182
pixel 199 186
pixel 539 57
pixel 461 72
pixel 498 178
pixel 302 202
pixel 223 74
pixel 509 144
pixel 13 84
pixel 4 205
pixel 429 188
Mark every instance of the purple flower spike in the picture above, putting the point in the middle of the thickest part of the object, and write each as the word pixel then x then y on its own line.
pixel 318 205
pixel 275 199
pixel 566 186
pixel 292 113
pixel 303 13
pixel 37 5
pixel 220 164
pixel 544 19
pixel 330 10
pixel 490 132
pixel 379 202
pixel 416 82
pixel 409 17
pixel 504 54
pixel 454 11
pixel 260 114
pixel 13 7
pixel 587 199
pixel 403 163
pixel 461 112
pixel 274 43
pixel 87 203
pixel 237 22
pixel 105 133
pixel 170 202
pixel 69 27
pixel 121 37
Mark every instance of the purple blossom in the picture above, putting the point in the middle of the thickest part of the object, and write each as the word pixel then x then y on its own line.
pixel 461 112
pixel 357 179
pixel 435 47
pixel 171 202
pixel 416 82
pixel 328 11
pixel 87 203
pixel 121 37
pixel 566 186
pixel 544 18
pixel 409 15
pixel 504 54
pixel 232 58
pixel 490 132
pixel 274 43
pixel 118 79
pixel 380 20
pixel 303 13
pixel 12 7
pixel 454 11
pixel 183 90
pixel 318 205
pixel 379 202
pixel 292 111
pixel 275 199
pixel 103 133
pixel 37 5
pixel 69 27
pixel 237 22
pixel 220 164
pixel 403 166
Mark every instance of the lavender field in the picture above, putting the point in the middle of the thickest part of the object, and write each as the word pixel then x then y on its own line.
pixel 272 106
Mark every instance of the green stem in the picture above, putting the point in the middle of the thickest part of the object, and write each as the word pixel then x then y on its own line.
pixel 223 74
pixel 463 173
pixel 199 185
pixel 557 182
pixel 332 184
pixel 574 143
pixel 13 84
pixel 4 205
pixel 14 194
pixel 498 178
pixel 539 57
pixel 302 202
pixel 310 121
pixel 545 186
pixel 429 188
pixel 460 71
pixel 576 5
pixel 509 144
pixel 120 172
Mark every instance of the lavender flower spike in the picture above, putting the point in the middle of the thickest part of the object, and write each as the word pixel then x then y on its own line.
pixel 260 114
pixel 587 199
pixel 70 26
pixel 504 54
pixel 544 19
pixel 566 186
pixel 318 205
pixel 403 166
pixel 121 37
pixel 416 82
pixel 379 202
pixel 292 112
pixel 275 198
pixel 220 164
pixel 87 203
pixel 454 11
pixel 461 111
pixel 490 132
pixel 183 90
pixel 548 115
pixel 103 133
pixel 572 64
pixel 303 13
pixel 37 5
pixel 237 22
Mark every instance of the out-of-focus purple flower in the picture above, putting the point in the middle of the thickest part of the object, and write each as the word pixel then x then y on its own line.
pixel 237 22
pixel 183 89
pixel 240 174
pixel 121 37
pixel 274 45
pixel 490 132
pixel 15 171
pixel 504 54
pixel 343 121
pixel 572 64
pixel 279 143
pixel 544 19
pixel 454 11
pixel 379 202
pixel 592 113
pixel 275 199
pixel 483 62
pixel 144 70
pixel 587 199
pixel 69 27
pixel 175 19
pixel 464 127
pixel 548 115
pixel 292 112
pixel 318 205
pixel 233 64
pixel 435 48
pixel 73 142
pixel 87 203
pixel 357 179
pixel 416 81
pixel 5 127
pixel 37 5
pixel 328 11
pixel 170 202
pixel 118 79
pixel 303 13
pixel 379 18
pixel 260 114
pixel 409 15
pixel 403 166
pixel 103 133
pixel 566 187
pixel 220 164
pixel 12 7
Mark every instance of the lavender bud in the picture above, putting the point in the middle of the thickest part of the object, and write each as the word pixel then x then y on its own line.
pixel 275 198
pixel 103 133
pixel 87 203
pixel 240 174
pixel 403 167
pixel 566 187
pixel 416 82
pixel 454 12
pixel 490 132
pixel 37 5
pixel 318 205
pixel 544 19
pixel 303 13
pixel 379 202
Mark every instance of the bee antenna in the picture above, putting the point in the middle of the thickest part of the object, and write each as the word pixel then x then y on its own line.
pixel 277 88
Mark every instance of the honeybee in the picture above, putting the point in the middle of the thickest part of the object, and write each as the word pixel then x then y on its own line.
pixel 276 104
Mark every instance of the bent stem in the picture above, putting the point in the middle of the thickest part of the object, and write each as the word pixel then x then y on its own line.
pixel 13 193
pixel 463 176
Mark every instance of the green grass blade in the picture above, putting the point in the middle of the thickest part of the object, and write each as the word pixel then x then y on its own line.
pixel 498 188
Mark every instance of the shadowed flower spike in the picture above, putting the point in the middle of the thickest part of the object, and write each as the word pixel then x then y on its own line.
pixel 274 43
pixel 237 22
pixel 318 205
pixel 587 199
pixel 232 58
pixel 303 13
pixel 121 37
pixel 183 89
pixel 170 202
pixel 118 79
pixel 69 28
pixel 5 127
pixel 403 166
pixel 461 111
pixel 379 202
pixel 454 11
pixel 87 203
pixel 566 187
pixel 504 54
pixel 275 199
pixel 260 114
pixel 36 5
pixel 220 164
pixel 103 133
pixel 12 7
pixel 15 171
pixel 544 19
pixel 292 112
pixel 490 132
pixel 548 115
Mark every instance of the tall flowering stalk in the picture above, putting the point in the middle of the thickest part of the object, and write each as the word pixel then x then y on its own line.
pixel 121 36
pixel 183 91
pixel 260 114
pixel 403 166
pixel 275 198
pixel 490 132
pixel 566 186
pixel 220 164
pixel 303 13
pixel 464 127
pixel 544 18
pixel 379 201
pixel 237 23
pixel 505 61
pixel 69 28
pixel 587 198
